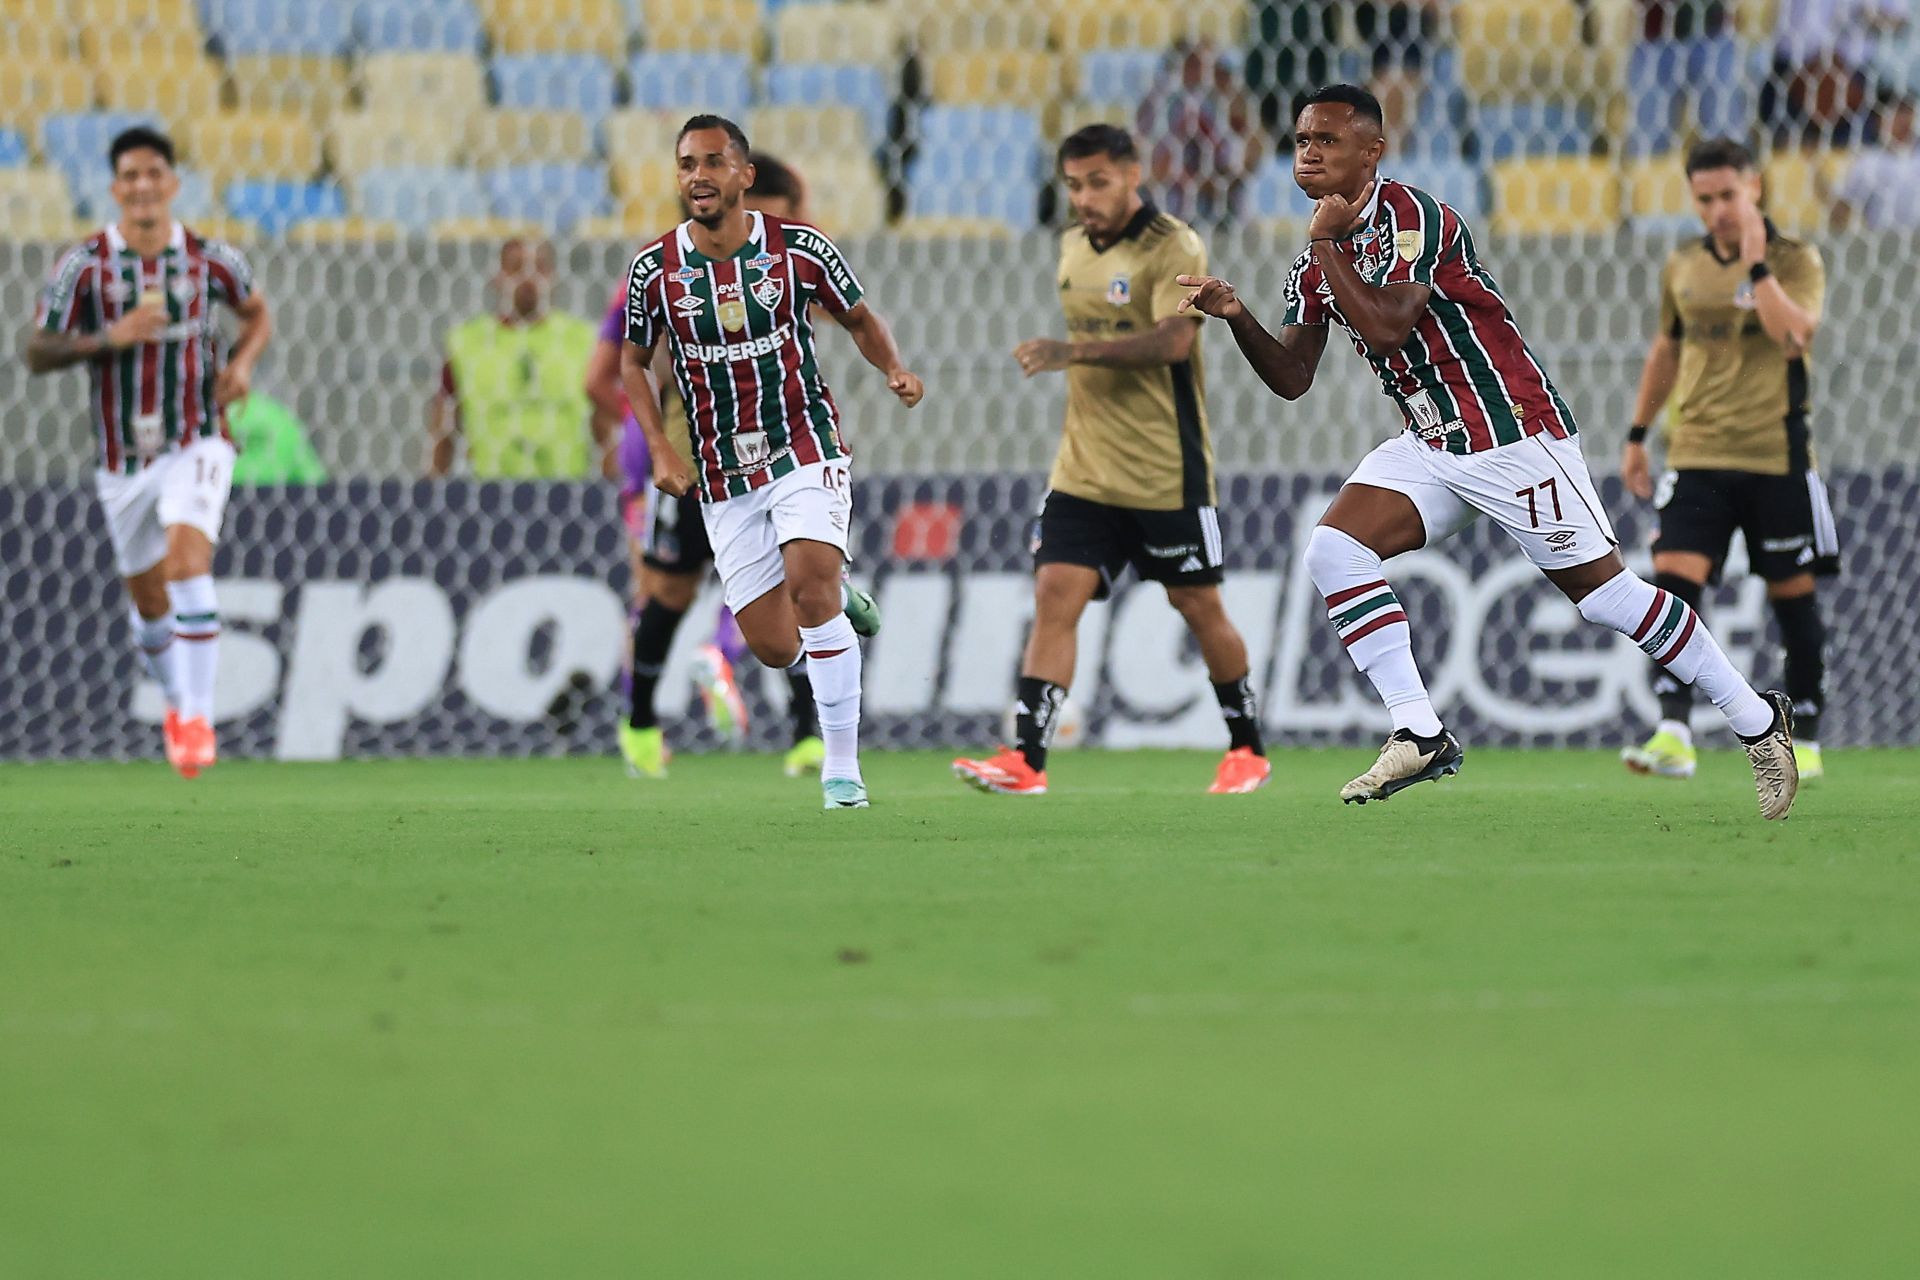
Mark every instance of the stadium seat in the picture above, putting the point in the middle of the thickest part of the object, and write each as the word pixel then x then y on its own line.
pixel 846 31
pixel 323 231
pixel 1009 76
pixel 450 85
pixel 1509 43
pixel 507 136
pixel 1556 195
pixel 1450 180
pixel 553 195
pixel 845 196
pixel 121 46
pixel 14 151
pixel 416 198
pixel 939 28
pixel 1119 75
pixel 792 131
pixel 650 214
pixel 253 146
pixel 641 137
pixel 1080 113
pixel 1534 126
pixel 315 88
pixel 1799 189
pixel 598 27
pixel 490 230
pixel 1273 194
pixel 1654 189
pixel 23 39
pixel 360 141
pixel 992 126
pixel 555 82
pixel 868 90
pixel 93 193
pixel 932 192
pixel 275 206
pixel 421 26
pixel 171 91
pixel 34 205
pixel 689 82
pixel 232 230
pixel 703 26
pixel 648 176
pixel 913 227
pixel 279 26
pixel 1223 22
pixel 1079 25
pixel 76 142
pixel 31 90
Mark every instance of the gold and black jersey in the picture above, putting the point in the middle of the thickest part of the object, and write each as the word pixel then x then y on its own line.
pixel 1740 403
pixel 1134 437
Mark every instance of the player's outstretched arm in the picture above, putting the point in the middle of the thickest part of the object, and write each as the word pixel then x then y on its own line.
pixel 875 339
pixel 670 475
pixel 1287 363
pixel 1169 342
pixel 1657 376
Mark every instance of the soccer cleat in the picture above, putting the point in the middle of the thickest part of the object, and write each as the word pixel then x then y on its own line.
pixel 1806 758
pixel 843 793
pixel 720 694
pixel 1776 775
pixel 1663 755
pixel 645 751
pixel 1007 774
pixel 804 757
pixel 177 755
pixel 1404 761
pixel 862 610
pixel 198 747
pixel 1240 772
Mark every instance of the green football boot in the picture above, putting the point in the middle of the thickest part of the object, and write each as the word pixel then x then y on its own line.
pixel 844 793
pixel 862 610
pixel 1806 756
pixel 805 757
pixel 645 751
pixel 1662 756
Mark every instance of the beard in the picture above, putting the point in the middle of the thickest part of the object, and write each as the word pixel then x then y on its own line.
pixel 722 207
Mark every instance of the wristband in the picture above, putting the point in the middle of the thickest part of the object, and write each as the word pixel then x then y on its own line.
pixel 1759 271
pixel 1324 240
pixel 1637 433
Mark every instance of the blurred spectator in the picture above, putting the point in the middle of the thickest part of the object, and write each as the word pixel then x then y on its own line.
pixel 1198 131
pixel 1819 90
pixel 1683 19
pixel 1882 185
pixel 1292 52
pixel 1398 36
pixel 514 384
pixel 273 444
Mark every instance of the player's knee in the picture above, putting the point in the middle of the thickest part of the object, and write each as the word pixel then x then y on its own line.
pixel 1334 558
pixel 1058 599
pixel 816 601
pixel 1197 605
pixel 775 654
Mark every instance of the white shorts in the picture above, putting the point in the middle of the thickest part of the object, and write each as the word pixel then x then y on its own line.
pixel 187 486
pixel 1538 490
pixel 814 502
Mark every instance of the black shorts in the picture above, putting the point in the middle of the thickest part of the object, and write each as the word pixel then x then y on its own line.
pixel 676 539
pixel 1786 519
pixel 1179 548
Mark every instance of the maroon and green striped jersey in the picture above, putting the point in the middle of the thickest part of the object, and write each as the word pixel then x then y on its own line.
pixel 743 349
pixel 157 396
pixel 1465 381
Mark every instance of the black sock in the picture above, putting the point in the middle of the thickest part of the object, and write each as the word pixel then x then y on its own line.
pixel 1804 637
pixel 1034 716
pixel 806 723
pixel 652 638
pixel 1676 699
pixel 1240 708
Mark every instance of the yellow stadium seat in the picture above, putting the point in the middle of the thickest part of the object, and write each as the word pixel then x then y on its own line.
pixel 1655 187
pixel 941 27
pixel 617 229
pixel 849 31
pixel 344 231
pixel 557 26
pixel 26 40
pixel 152 15
pixel 107 47
pixel 490 229
pixel 1512 48
pixel 1078 115
pixel 45 13
pixel 844 196
pixel 361 140
pixel 1080 25
pixel 1003 76
pixel 449 85
pixel 176 91
pixel 261 145
pixel 651 210
pixel 31 91
pixel 789 131
pixel 232 230
pixel 703 26
pixel 504 137
pixel 1799 189
pixel 651 176
pixel 1557 195
pixel 35 205
pixel 316 88
pixel 635 137
pixel 1224 22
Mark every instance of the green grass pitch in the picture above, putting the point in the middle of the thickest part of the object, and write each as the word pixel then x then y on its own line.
pixel 517 1019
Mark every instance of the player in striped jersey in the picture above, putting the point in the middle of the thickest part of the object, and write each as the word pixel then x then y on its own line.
pixel 1486 434
pixel 134 304
pixel 729 291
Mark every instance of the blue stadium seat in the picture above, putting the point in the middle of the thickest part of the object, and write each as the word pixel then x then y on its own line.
pixel 1118 75
pixel 14 151
pixel 279 26
pixel 554 195
pixel 275 206
pixel 827 84
pixel 1531 127
pixel 93 193
pixel 691 82
pixel 417 26
pixel 1451 180
pixel 1663 74
pixel 986 193
pixel 555 81
pixel 980 126
pixel 1274 194
pixel 419 197
pixel 77 143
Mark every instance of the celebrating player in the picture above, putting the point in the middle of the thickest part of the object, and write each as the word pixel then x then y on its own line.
pixel 670 554
pixel 729 289
pixel 1738 310
pixel 1486 433
pixel 134 303
pixel 1133 482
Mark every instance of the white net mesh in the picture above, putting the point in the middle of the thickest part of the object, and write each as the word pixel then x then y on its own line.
pixel 370 158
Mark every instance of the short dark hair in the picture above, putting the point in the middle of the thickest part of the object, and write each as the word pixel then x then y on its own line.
pixel 1108 140
pixel 1348 95
pixel 735 133
pixel 1719 153
pixel 139 138
pixel 774 179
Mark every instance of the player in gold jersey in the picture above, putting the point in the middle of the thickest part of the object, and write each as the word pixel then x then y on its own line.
pixel 1133 481
pixel 1738 312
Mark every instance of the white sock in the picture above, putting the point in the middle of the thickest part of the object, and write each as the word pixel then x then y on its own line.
pixel 196 628
pixel 1372 625
pixel 833 665
pixel 1671 633
pixel 159 655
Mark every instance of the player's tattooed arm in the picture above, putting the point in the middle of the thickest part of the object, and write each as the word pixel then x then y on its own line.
pixel 47 350
pixel 874 337
pixel 1168 342
pixel 1286 363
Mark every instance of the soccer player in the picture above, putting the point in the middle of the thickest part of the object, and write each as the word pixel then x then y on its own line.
pixel 1738 310
pixel 1133 481
pixel 1486 434
pixel 134 303
pixel 729 291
